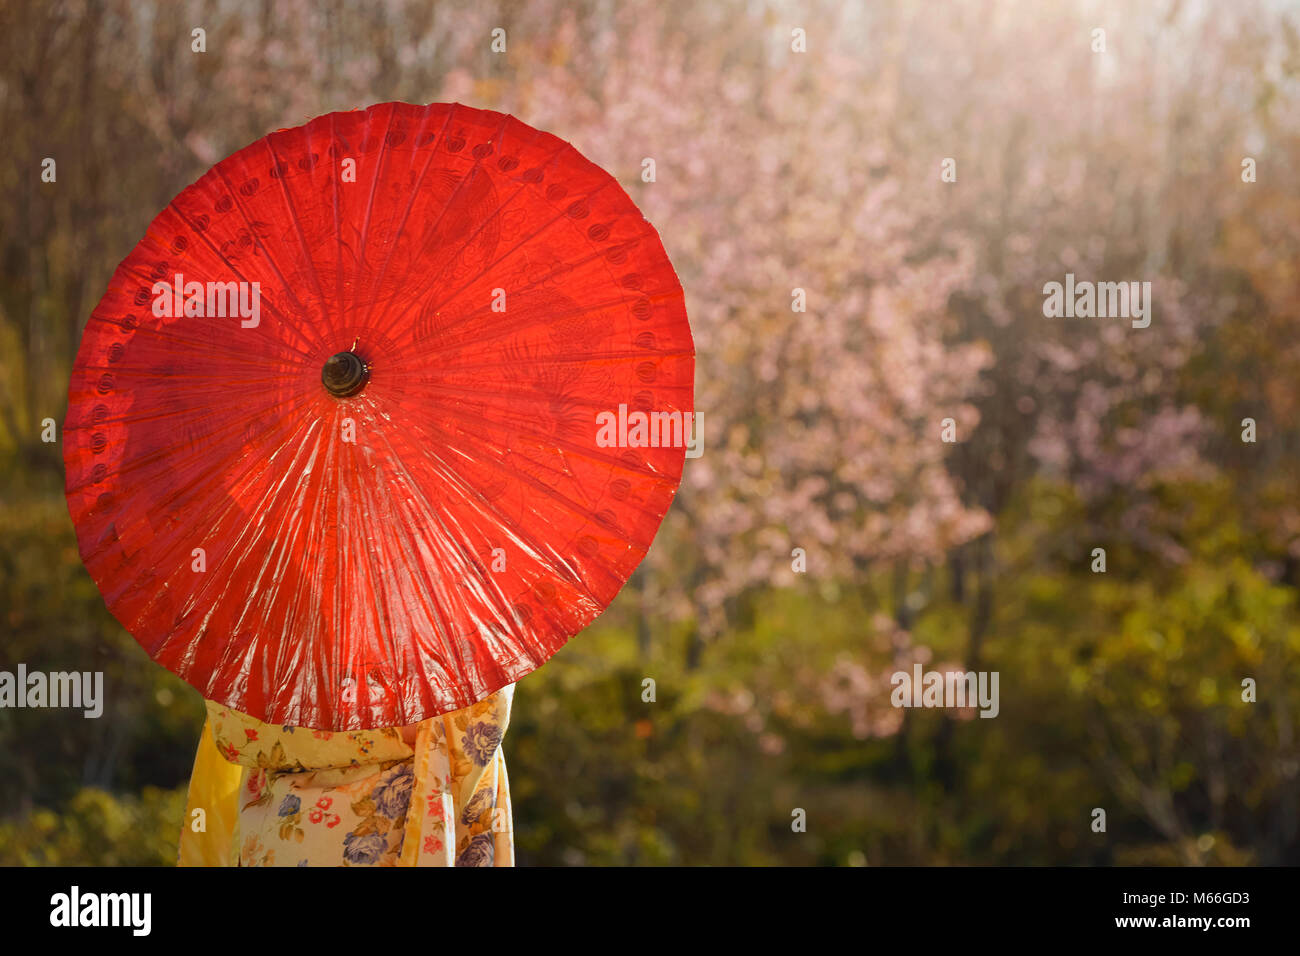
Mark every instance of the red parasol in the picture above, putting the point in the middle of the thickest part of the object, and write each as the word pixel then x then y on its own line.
pixel 332 446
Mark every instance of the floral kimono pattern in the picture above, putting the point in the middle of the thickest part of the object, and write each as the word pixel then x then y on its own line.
pixel 292 796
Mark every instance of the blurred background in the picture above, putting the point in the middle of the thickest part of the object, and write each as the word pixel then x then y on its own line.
pixel 779 170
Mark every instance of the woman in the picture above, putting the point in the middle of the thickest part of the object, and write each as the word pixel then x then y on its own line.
pixel 431 794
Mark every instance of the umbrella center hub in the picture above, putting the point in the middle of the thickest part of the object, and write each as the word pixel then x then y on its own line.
pixel 344 374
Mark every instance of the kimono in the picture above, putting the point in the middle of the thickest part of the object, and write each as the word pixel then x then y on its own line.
pixel 292 796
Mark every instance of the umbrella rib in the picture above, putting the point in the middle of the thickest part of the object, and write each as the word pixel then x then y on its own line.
pixel 441 388
pixel 202 234
pixel 338 229
pixel 564 269
pixel 374 183
pixel 352 540
pixel 287 534
pixel 212 524
pixel 254 462
pixel 442 645
pixel 410 204
pixel 248 534
pixel 480 505
pixel 336 618
pixel 560 217
pixel 126 373
pixel 547 440
pixel 455 480
pixel 161 335
pixel 284 283
pixel 586 358
pixel 308 678
pixel 133 464
pixel 293 215
pixel 504 328
pixel 431 283
pixel 476 499
pixel 135 419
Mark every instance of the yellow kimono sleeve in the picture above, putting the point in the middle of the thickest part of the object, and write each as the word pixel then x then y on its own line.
pixel 214 789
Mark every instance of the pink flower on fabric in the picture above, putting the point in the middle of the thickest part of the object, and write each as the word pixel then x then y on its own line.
pixel 432 844
pixel 435 806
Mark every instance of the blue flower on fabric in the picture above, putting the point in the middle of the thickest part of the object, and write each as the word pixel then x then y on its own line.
pixel 290 806
pixel 393 796
pixel 480 852
pixel 481 742
pixel 366 849
pixel 477 804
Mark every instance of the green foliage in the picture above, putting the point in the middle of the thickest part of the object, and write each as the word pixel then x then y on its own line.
pixel 52 618
pixel 1118 690
pixel 96 828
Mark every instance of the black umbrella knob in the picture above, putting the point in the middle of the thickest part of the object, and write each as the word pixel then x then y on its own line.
pixel 344 374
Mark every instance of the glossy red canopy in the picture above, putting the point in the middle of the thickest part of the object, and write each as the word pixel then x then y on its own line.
pixel 376 559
